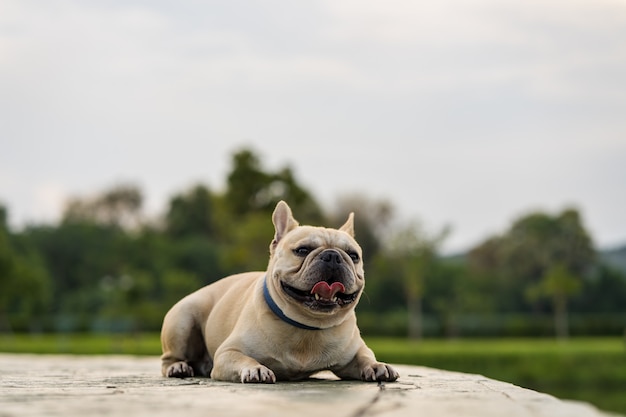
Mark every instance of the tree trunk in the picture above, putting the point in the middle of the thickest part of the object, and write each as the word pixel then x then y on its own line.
pixel 452 328
pixel 561 322
pixel 5 324
pixel 415 328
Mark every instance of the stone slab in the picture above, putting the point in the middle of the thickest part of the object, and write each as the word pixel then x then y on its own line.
pixel 65 385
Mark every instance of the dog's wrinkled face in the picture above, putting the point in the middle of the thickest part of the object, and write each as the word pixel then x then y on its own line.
pixel 317 270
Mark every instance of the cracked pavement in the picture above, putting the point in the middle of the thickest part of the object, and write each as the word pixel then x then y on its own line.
pixel 66 385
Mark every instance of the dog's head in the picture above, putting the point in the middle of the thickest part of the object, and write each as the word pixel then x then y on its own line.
pixel 316 273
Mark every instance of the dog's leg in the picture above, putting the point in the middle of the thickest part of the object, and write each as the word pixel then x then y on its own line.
pixel 184 352
pixel 365 367
pixel 232 365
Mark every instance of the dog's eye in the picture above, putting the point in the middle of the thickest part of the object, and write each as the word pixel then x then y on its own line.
pixel 354 256
pixel 302 251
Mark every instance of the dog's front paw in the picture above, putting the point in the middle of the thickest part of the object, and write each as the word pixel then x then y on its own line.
pixel 258 374
pixel 379 371
pixel 179 370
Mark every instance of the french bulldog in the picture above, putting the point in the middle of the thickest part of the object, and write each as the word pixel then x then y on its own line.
pixel 287 323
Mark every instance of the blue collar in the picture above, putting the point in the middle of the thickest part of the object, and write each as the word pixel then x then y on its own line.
pixel 274 307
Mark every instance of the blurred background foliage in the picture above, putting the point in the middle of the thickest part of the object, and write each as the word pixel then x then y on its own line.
pixel 106 266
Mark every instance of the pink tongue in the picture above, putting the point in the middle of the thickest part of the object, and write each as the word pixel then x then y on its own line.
pixel 327 291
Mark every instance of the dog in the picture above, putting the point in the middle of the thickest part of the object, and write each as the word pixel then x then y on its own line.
pixel 285 324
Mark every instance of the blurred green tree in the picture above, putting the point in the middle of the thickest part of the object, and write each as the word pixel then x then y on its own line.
pixel 78 257
pixel 539 255
pixel 25 285
pixel 248 249
pixel 243 215
pixel 246 183
pixel 119 207
pixel 558 283
pixel 604 291
pixel 415 249
pixel 191 214
pixel 251 189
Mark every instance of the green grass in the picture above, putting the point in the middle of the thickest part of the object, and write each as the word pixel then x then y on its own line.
pixel 592 370
pixel 586 369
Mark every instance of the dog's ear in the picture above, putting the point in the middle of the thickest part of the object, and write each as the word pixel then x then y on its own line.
pixel 283 223
pixel 348 226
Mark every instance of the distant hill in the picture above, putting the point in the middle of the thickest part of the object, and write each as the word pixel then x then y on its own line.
pixel 615 257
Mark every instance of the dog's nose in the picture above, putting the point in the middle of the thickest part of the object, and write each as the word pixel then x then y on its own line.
pixel 331 256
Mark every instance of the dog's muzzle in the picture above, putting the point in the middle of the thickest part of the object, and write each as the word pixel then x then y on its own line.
pixel 323 296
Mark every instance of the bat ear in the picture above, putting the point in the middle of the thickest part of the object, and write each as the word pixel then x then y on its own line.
pixel 348 226
pixel 283 223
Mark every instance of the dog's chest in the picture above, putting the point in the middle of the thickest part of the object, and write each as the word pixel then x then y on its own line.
pixel 301 357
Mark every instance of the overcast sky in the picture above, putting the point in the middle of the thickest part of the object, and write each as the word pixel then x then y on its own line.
pixel 467 113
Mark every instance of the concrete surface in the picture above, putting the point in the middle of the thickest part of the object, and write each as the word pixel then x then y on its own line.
pixel 51 385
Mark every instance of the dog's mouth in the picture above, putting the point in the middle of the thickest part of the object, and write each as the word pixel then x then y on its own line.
pixel 322 296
